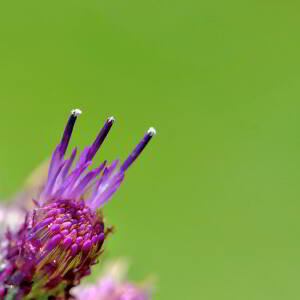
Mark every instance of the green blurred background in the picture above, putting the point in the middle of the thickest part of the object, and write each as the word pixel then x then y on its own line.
pixel 212 206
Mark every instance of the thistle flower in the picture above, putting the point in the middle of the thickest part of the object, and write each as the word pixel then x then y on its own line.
pixel 62 237
pixel 113 285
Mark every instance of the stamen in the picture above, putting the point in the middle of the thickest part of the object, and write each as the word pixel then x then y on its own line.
pixel 138 149
pixel 61 148
pixel 100 138
pixel 68 131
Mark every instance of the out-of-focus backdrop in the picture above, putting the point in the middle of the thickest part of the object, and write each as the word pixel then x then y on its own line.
pixel 212 206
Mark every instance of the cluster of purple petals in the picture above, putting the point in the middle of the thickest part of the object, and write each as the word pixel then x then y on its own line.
pixel 107 289
pixel 111 286
pixel 65 182
pixel 62 237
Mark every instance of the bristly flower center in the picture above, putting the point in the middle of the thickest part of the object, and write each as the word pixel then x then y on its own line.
pixel 65 233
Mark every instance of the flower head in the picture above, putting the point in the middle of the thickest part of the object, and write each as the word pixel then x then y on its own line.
pixel 62 237
pixel 113 285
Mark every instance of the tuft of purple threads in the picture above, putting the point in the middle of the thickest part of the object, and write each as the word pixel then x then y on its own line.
pixel 64 184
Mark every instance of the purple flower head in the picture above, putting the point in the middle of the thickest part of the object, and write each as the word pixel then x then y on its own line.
pixel 113 285
pixel 62 237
